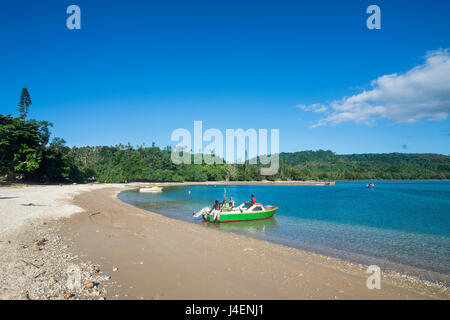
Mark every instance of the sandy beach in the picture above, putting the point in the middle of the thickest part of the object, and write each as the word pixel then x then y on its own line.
pixel 34 258
pixel 130 253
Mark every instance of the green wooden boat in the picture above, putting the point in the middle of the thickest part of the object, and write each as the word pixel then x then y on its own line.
pixel 254 212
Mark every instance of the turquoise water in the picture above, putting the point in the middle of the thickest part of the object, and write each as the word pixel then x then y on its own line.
pixel 400 226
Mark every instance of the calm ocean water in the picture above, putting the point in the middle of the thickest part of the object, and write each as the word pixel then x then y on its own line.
pixel 400 226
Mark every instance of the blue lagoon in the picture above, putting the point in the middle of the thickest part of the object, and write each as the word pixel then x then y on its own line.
pixel 401 226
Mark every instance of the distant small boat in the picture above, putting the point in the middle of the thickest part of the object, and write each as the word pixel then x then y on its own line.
pixel 151 190
pixel 370 185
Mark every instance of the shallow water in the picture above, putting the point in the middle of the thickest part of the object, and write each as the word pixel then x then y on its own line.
pixel 401 226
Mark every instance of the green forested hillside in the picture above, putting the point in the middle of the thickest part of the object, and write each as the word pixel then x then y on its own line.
pixel 27 154
pixel 327 165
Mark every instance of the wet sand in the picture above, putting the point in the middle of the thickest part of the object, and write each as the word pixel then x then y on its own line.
pixel 155 257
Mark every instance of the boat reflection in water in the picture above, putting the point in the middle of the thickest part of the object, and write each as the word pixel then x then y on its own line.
pixel 255 226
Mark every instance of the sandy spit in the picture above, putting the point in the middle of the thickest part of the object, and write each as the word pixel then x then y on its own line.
pixel 21 203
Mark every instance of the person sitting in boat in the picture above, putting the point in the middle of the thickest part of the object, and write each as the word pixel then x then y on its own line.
pixel 223 205
pixel 226 207
pixel 252 202
pixel 231 204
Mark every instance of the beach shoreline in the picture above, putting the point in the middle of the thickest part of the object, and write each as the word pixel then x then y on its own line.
pixel 144 255
pixel 293 273
pixel 231 183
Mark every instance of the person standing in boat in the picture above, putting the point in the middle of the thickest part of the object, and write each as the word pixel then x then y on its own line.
pixel 216 210
pixel 216 206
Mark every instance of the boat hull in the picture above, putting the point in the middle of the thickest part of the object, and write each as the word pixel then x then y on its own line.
pixel 239 217
pixel 150 190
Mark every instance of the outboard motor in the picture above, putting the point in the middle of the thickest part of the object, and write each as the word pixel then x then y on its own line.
pixel 202 212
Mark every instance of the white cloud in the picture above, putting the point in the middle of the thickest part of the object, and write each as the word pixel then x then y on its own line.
pixel 315 107
pixel 422 93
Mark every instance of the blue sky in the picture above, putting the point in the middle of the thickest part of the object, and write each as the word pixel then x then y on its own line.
pixel 137 70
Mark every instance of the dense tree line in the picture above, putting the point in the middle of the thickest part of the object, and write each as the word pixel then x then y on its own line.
pixel 327 165
pixel 26 153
